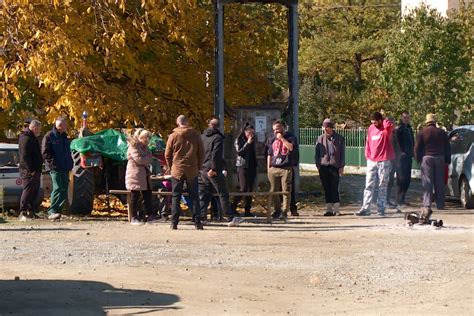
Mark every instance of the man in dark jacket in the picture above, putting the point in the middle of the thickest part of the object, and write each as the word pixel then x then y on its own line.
pixel 282 157
pixel 212 176
pixel 433 152
pixel 330 161
pixel 30 166
pixel 406 143
pixel 58 160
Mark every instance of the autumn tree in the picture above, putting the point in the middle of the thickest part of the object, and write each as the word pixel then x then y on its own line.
pixel 428 65
pixel 130 62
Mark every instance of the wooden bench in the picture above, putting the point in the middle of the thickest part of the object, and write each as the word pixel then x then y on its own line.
pixel 269 196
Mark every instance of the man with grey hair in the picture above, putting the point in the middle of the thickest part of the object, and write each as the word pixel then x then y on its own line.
pixel 57 156
pixel 30 166
pixel 184 155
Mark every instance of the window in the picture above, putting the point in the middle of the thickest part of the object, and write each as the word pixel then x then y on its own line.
pixel 9 158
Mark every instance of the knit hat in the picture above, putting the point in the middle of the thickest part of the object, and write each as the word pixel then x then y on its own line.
pixel 430 117
pixel 328 123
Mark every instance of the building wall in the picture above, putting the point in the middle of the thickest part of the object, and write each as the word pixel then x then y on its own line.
pixel 441 5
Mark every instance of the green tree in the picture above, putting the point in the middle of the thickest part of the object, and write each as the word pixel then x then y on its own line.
pixel 428 66
pixel 341 54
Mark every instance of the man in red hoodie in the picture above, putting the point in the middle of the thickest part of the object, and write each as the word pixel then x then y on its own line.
pixel 379 153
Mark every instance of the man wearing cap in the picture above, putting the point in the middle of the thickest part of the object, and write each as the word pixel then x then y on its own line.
pixel 330 161
pixel 379 154
pixel 433 152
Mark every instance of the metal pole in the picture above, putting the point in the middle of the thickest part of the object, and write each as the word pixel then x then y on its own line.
pixel 219 56
pixel 293 73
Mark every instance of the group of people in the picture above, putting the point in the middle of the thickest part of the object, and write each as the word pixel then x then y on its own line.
pixel 389 148
pixel 196 165
pixel 56 155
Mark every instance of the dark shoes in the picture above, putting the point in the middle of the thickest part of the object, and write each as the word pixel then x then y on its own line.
pixel 199 226
pixel 425 215
pixel 248 214
pixel 295 213
pixel 276 214
pixel 174 226
pixel 362 212
pixel 329 213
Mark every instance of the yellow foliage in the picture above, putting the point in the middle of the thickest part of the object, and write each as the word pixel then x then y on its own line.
pixel 133 62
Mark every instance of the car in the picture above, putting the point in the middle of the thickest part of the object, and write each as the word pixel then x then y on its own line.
pixel 10 181
pixel 460 182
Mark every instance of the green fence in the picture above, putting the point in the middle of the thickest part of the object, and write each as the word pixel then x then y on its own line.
pixel 355 146
pixel 355 142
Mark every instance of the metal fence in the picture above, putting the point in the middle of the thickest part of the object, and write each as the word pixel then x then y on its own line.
pixel 355 142
pixel 355 146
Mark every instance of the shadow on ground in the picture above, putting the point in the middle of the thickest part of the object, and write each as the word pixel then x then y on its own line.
pixel 71 297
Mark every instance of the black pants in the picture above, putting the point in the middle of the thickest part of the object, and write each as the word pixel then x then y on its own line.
pixel 137 211
pixel 330 179
pixel 207 186
pixel 192 189
pixel 293 207
pixel 246 178
pixel 31 186
pixel 403 177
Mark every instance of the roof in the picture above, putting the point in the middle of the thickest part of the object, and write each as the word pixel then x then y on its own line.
pixel 8 146
pixel 469 127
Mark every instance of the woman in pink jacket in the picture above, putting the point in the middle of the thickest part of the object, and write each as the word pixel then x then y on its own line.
pixel 137 176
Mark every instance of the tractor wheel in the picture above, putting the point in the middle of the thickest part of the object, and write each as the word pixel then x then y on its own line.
pixel 81 188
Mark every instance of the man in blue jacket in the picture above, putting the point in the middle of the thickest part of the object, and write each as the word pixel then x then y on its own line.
pixel 57 156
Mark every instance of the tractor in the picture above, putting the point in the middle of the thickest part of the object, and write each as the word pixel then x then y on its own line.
pixel 100 162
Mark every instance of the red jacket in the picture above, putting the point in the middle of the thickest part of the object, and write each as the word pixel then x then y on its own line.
pixel 378 146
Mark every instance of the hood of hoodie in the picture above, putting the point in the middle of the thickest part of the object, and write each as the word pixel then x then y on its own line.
pixel 184 130
pixel 211 132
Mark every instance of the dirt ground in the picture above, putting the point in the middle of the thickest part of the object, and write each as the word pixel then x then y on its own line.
pixel 310 265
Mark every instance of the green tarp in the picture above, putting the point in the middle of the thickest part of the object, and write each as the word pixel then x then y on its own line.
pixel 112 144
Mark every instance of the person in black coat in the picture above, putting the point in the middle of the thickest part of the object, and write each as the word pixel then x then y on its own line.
pixel 212 177
pixel 30 166
pixel 406 144
pixel 246 164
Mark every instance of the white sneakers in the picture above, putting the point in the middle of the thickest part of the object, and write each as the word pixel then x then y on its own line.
pixel 235 221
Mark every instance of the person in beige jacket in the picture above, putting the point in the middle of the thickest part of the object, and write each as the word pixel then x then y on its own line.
pixel 184 156
pixel 137 176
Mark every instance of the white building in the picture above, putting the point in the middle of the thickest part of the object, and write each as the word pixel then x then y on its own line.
pixel 443 6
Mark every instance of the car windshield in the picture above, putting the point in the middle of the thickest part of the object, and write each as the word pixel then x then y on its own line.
pixel 9 158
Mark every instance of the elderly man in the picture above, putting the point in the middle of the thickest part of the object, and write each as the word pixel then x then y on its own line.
pixel 184 156
pixel 433 152
pixel 281 150
pixel 31 163
pixel 379 153
pixel 57 156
